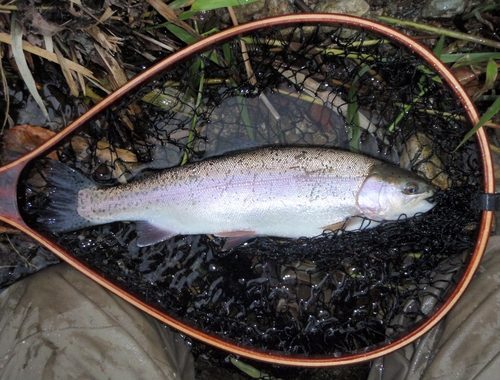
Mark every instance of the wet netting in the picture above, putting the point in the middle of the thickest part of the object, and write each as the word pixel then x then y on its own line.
pixel 306 85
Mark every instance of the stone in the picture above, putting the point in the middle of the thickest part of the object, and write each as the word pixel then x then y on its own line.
pixel 443 8
pixel 257 10
pixel 350 7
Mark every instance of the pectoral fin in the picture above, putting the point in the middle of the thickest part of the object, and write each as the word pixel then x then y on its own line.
pixel 235 238
pixel 334 227
pixel 356 222
pixel 149 234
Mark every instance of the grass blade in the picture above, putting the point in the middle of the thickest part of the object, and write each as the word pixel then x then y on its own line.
pixel 491 74
pixel 438 50
pixel 177 4
pixel 181 34
pixel 442 31
pixel 17 52
pixel 5 88
pixel 353 120
pixel 465 59
pixel 208 5
pixel 492 111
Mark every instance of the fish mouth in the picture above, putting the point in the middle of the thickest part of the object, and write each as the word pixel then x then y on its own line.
pixel 433 198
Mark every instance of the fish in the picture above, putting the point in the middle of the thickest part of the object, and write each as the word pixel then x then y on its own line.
pixel 284 192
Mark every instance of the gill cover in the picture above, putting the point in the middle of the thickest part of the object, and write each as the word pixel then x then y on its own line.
pixel 389 191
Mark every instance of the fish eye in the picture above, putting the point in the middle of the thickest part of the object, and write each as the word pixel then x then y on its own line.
pixel 410 188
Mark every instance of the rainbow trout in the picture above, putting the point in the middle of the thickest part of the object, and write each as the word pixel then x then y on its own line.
pixel 282 192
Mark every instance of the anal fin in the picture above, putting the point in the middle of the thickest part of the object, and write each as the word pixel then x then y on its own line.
pixel 149 234
pixel 235 238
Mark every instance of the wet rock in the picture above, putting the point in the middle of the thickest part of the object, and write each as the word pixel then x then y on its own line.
pixel 350 7
pixel 420 153
pixel 279 7
pixel 443 8
pixel 257 10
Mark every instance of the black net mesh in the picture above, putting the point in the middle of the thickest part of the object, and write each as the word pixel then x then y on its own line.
pixel 305 85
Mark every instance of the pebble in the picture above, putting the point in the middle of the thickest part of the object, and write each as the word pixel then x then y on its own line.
pixel 443 8
pixel 350 7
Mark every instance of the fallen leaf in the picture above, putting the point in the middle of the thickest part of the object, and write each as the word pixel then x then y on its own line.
pixel 106 154
pixel 104 151
pixel 22 139
pixel 73 87
pixel 117 75
pixel 170 15
pixel 465 74
pixel 106 41
pixel 38 24
pixel 6 229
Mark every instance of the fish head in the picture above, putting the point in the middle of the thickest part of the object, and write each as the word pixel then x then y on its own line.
pixel 389 192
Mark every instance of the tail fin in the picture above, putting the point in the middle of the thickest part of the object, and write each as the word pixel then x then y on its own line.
pixel 61 214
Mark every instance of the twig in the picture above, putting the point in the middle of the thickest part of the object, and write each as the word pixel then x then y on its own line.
pixel 311 88
pixel 12 8
pixel 153 41
pixel 249 69
pixel 302 6
pixel 244 51
pixel 495 149
pixel 21 256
